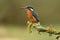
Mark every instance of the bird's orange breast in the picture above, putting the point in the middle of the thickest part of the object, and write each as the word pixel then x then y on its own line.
pixel 31 17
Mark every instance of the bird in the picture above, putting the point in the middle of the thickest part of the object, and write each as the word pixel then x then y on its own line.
pixel 32 16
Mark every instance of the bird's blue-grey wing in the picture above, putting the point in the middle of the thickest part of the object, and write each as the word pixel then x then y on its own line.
pixel 36 16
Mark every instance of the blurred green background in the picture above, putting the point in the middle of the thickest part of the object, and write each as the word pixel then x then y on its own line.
pixel 48 10
pixel 10 13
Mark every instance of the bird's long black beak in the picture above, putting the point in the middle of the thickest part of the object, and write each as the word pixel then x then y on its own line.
pixel 23 7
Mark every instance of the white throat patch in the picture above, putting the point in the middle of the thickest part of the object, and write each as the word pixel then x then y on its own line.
pixel 31 9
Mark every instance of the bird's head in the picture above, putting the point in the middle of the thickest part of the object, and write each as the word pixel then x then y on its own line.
pixel 28 8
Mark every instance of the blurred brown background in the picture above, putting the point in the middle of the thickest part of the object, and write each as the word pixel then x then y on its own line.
pixel 10 13
pixel 48 10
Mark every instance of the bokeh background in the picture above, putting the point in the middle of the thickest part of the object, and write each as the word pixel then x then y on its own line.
pixel 13 19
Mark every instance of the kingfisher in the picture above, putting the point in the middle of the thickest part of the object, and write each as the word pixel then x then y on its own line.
pixel 32 16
